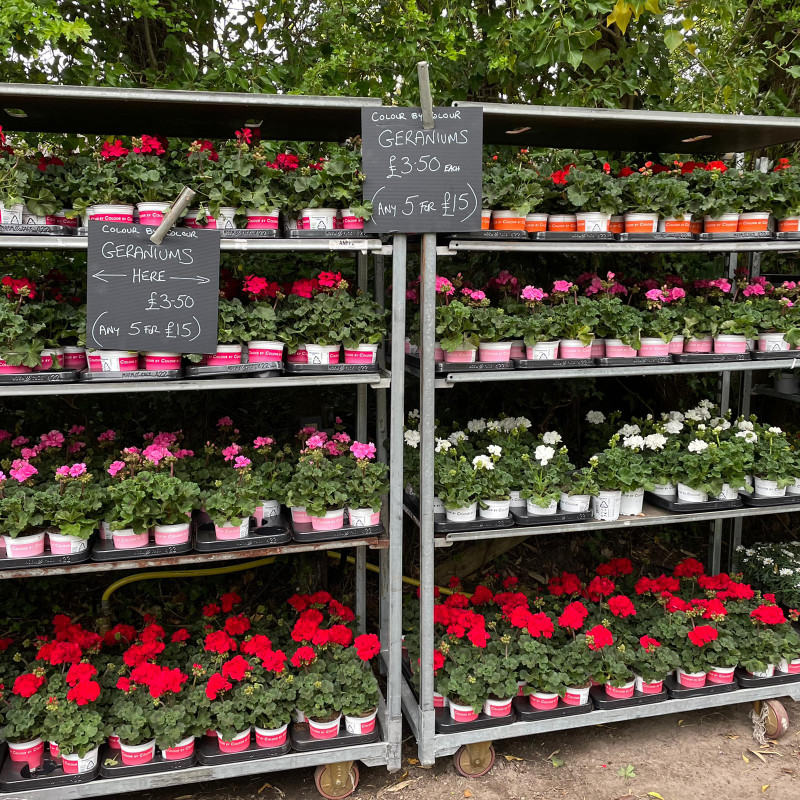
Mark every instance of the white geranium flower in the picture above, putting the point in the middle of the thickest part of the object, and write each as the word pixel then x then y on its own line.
pixel 458 436
pixel 593 460
pixel 523 422
pixel 629 430
pixel 493 425
pixel 697 446
pixel 655 441
pixel 633 442
pixel 673 426
pixel 677 415
pixel 775 430
pixel 494 449
pixel 739 548
pixel 595 417
pixel 551 437
pixel 476 425
pixel 412 438
pixel 443 445
pixel 725 424
pixel 748 436
pixel 706 404
pixel 482 462
pixel 508 424
pixel 744 425
pixel 701 426
pixel 649 417
pixel 413 414
pixel 694 414
pixel 544 454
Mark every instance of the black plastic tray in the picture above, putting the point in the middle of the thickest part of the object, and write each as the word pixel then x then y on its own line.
pixel 736 236
pixel 553 363
pixel 331 233
pixel 270 535
pixel 441 367
pixel 135 376
pixel 676 691
pixel 47 559
pixel 491 235
pixel 527 713
pixel 332 369
pixel 47 376
pixel 749 499
pixel 158 764
pixel 636 361
pixel 104 550
pixel 525 520
pixel 303 532
pixel 441 525
pixel 748 681
pixel 15 776
pixel 790 235
pixel 708 358
pixel 208 752
pixel 686 508
pixel 774 355
pixel 36 230
pixel 604 703
pixel 255 233
pixel 573 236
pixel 228 370
pixel 303 743
pixel 658 236
pixel 444 722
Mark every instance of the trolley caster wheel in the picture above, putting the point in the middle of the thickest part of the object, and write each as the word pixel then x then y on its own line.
pixel 777 722
pixel 335 781
pixel 474 760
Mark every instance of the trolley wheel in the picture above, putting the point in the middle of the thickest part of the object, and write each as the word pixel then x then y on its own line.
pixel 474 760
pixel 335 781
pixel 777 722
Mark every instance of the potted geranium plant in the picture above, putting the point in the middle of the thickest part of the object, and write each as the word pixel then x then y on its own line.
pixel 494 498
pixel 271 473
pixel 786 195
pixel 367 483
pixel 494 329
pixel 577 321
pixel 458 484
pixel 773 465
pixel 542 474
pixel 540 328
pixel 21 514
pixel 364 327
pixel 620 469
pixel 146 170
pixel 317 490
pixel 716 468
pixel 13 183
pixel 648 196
pixel 456 330
pixel 74 506
pixel 511 190
pixel 320 695
pixel 234 323
pixel 265 195
pixel 232 500
pixel 651 663
pixel 717 197
pixel 756 198
pixel 24 718
pixel 760 639
pixel 577 490
pixel 233 697
pixel 98 189
pixel 620 325
pixel 701 651
pixel 597 195
pixel 779 319
pixel 20 342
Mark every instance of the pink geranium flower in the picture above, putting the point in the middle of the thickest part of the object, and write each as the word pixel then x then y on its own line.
pixel 263 441
pixel 241 462
pixel 533 294
pixel 28 453
pixel 63 471
pixel 183 453
pixel 4 435
pixel 343 438
pixel 363 451
pixel 225 422
pixel 23 471
pixel 52 439
pixel 107 436
pixel 77 430
pixel 562 286
pixel 154 454
pixel 76 470
pixel 231 451
pixel 444 286
pixel 753 290
pixel 676 293
pixel 115 467
pixel 76 447
pixel 315 441
pixel 19 441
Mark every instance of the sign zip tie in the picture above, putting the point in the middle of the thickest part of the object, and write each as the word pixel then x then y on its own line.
pixel 184 198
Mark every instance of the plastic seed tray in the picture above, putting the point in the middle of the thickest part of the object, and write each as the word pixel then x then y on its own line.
pixel 676 691
pixel 573 236
pixel 104 550
pixel 231 370
pixel 605 703
pixel 442 525
pixel 111 765
pixel 60 376
pixel 748 681
pixel 736 236
pixel 553 363
pixel 331 369
pixel 788 235
pixel 303 743
pixel 681 507
pixel 636 361
pixel 658 236
pixel 274 532
pixel 135 376
pixel 445 724
pixel 255 233
pixel 492 236
pixel 208 752
pixel 527 713
pixel 17 776
pixel 469 366
pixel 328 233
pixel 36 230
pixel 303 532
pixel 524 520
pixel 709 358
pixel 774 355
pixel 47 559
pixel 766 502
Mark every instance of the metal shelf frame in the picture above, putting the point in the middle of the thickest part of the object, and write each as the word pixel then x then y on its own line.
pixel 456 245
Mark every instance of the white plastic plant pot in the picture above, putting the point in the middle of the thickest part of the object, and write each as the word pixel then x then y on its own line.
pixel 73 764
pixel 730 343
pixel 562 223
pixel 691 680
pixel 172 534
pixel 350 221
pixel 65 544
pixel 75 358
pixel 620 692
pixel 725 223
pixel 112 360
pixel 127 539
pixel 112 212
pixel 465 514
pixel 363 517
pixel 772 342
pixel 225 355
pixel 542 351
pixel 592 222
pixel 105 531
pixel 50 357
pixel 787 383
pixel 493 352
pixel 240 741
pixel 155 361
pixel 789 225
pixel 233 529
pixel 648 687
pixel 536 223
pixel 767 488
pixel 361 725
pixel 516 502
pixel 298 716
pixel 653 346
pixel 574 348
pixel 135 754
pixel 495 509
pixel 30 752
pixel 460 713
pixel 465 354
pixel 486 219
pixel 543 701
pixel 11 215
pixel 641 223
pixel 299 514
pixel 29 218
pixel 190 220
pixel 318 219
pixel 497 708
pixel 727 493
pixel 720 674
pixel 262 351
pixel 86 215
pixel 598 348
pixel 682 224
pixel 271 737
pixel 794 488
pixel 789 667
pixel 701 344
pixel 324 730
pixel 517 348
pixel 183 749
pixel 665 490
pixel 438 505
pixel 616 349
pixel 262 220
pixel 505 219
pixel 764 673
pixel 362 354
pixel 226 219
pixel 630 504
pixel 574 503
pixel 577 695
pixel 688 495
pixel 541 511
pixel 152 213
pixel 267 509
pixel 606 505
pixel 754 221
pixel 24 546
pixel 331 521
pixel 322 353
pixel 748 479
pixel 676 345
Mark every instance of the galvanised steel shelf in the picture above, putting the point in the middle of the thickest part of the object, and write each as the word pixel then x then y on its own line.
pixel 380 380
pixel 447 744
pixel 766 391
pixel 193 559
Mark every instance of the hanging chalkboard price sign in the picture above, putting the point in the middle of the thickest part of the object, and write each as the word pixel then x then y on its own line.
pixel 149 297
pixel 422 181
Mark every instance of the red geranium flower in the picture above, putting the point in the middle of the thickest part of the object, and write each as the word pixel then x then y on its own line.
pixel 367 645
pixel 181 635
pixel 216 684
pixel 736 591
pixel 299 602
pixel 320 598
pixel 124 683
pixel 600 587
pixel 768 615
pixel 688 568
pixel 235 668
pixel 598 637
pixel 510 582
pixel 621 606
pixel 540 624
pixel 457 601
pixel 306 626
pixel 714 608
pixel 477 636
pixel 80 672
pixel 566 583
pixel 716 165
pixel 27 684
pixel 120 634
pixel 219 642
pixel 152 633
pixel 648 643
pixel 344 613
pixel 237 625
pixel 256 644
pixel 211 610
pixel 616 567
pixel 520 617
pixel 573 615
pixel 702 634
pixel 274 660
pixel 228 601
pixel 84 692
pixel 303 655
pixel 438 661
pixel 341 635
pixel 769 597
pixel 481 596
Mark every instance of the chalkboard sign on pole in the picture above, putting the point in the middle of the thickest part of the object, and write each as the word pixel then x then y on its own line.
pixel 149 297
pixel 422 181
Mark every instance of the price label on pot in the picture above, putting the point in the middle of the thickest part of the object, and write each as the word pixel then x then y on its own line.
pixel 149 297
pixel 422 181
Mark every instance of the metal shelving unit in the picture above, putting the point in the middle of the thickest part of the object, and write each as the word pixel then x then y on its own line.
pixel 595 129
pixel 177 113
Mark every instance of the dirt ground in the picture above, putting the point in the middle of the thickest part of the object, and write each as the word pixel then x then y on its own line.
pixel 700 755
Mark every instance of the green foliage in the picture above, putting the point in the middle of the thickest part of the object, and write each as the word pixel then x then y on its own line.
pixel 511 183
pixel 318 483
pixel 20 344
pixel 578 319
pixel 660 193
pixel 619 321
pixel 492 324
pixel 20 511
pixel 234 497
pixel 74 728
pixel 366 483
pixel 455 326
pixel 457 481
pixel 619 467
pixel 541 325
pixel 73 507
pixel 774 459
pixel 591 189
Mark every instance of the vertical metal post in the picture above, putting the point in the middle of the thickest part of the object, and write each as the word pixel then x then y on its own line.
pixel 426 548
pixel 392 594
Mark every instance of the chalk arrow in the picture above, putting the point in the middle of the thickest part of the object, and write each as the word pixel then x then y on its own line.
pixel 198 279
pixel 102 275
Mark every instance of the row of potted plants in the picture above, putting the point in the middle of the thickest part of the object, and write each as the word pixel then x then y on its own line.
pixel 610 630
pixel 602 317
pixel 493 467
pixel 240 182
pixel 521 193
pixel 237 678
pixel 129 493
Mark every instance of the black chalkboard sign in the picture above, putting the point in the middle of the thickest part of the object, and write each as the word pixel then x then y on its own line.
pixel 422 181
pixel 149 297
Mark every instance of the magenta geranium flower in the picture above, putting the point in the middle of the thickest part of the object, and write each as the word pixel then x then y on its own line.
pixel 63 470
pixel 231 451
pixel 225 422
pixel 315 441
pixel 22 471
pixel 361 450
pixel 76 470
pixel 115 467
pixel 241 462
pixel 263 441
pixel 107 436
pixel 52 439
